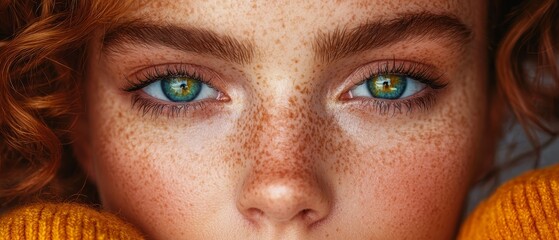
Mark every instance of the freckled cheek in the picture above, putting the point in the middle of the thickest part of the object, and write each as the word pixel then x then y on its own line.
pixel 419 183
pixel 158 184
pixel 129 170
pixel 155 171
pixel 409 170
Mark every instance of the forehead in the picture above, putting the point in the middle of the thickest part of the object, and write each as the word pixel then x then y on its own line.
pixel 246 18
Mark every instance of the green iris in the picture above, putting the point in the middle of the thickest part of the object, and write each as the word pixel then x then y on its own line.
pixel 181 89
pixel 387 86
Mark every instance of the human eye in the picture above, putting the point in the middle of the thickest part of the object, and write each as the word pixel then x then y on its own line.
pixel 182 88
pixel 172 90
pixel 395 86
pixel 390 86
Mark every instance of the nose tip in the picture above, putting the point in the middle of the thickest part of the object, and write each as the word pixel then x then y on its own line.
pixel 284 203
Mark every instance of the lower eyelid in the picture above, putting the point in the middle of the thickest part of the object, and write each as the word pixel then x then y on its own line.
pixel 148 106
pixel 421 101
pixel 406 106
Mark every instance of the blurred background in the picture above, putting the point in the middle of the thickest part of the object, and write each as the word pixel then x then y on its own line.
pixel 514 145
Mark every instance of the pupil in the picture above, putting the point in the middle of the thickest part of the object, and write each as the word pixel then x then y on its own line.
pixel 386 84
pixel 183 86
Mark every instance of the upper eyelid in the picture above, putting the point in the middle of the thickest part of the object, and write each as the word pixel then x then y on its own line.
pixel 145 76
pixel 420 70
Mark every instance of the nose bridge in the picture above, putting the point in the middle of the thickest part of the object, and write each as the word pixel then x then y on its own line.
pixel 286 152
pixel 287 123
pixel 286 98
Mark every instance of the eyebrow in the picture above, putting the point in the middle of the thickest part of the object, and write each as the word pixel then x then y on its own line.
pixel 328 47
pixel 372 35
pixel 190 39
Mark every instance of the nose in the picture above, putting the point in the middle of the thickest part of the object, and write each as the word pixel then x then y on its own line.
pixel 284 198
pixel 283 185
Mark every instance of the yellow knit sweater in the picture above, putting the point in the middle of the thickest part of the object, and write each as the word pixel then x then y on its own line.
pixel 63 221
pixel 524 208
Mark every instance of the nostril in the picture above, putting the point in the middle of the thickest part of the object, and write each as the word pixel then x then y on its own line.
pixel 309 215
pixel 306 212
pixel 283 202
pixel 254 213
pixel 306 215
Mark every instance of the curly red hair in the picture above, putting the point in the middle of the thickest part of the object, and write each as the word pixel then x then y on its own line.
pixel 42 56
pixel 41 65
pixel 525 67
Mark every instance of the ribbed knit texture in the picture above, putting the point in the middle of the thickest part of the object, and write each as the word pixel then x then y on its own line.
pixel 63 221
pixel 524 208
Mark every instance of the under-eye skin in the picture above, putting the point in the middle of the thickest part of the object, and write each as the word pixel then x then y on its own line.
pixel 171 90
pixel 394 86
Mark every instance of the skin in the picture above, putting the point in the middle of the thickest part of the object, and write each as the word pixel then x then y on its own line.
pixel 283 155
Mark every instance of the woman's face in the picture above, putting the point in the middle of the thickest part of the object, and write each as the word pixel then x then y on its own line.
pixel 292 120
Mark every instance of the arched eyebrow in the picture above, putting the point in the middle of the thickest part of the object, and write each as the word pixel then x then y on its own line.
pixel 373 35
pixel 188 39
pixel 328 47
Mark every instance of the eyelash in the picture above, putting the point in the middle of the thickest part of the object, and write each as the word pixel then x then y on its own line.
pixel 146 105
pixel 417 71
pixel 420 72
